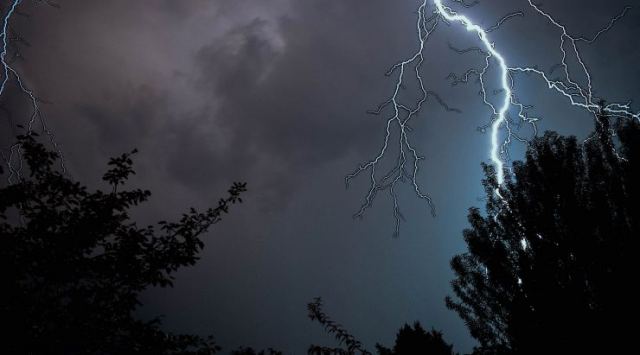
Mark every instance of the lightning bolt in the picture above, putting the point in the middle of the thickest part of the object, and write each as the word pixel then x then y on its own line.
pixel 13 160
pixel 500 114
pixel 401 117
pixel 5 43
pixel 407 161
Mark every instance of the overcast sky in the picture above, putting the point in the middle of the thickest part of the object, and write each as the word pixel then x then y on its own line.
pixel 275 93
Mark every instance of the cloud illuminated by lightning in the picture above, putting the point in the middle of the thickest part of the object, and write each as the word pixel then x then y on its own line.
pixel 408 159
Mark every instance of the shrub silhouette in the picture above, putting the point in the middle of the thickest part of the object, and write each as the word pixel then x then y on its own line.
pixel 73 263
pixel 347 340
pixel 416 340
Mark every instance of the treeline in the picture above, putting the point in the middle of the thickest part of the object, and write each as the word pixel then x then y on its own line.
pixel 550 265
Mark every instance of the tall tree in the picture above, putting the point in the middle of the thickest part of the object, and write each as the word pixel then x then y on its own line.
pixel 72 263
pixel 551 264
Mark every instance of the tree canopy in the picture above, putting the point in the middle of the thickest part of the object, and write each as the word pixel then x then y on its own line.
pixel 73 262
pixel 415 340
pixel 551 262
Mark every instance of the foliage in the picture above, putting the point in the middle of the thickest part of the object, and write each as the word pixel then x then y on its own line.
pixel 73 263
pixel 409 340
pixel 250 351
pixel 550 267
pixel 353 346
pixel 415 340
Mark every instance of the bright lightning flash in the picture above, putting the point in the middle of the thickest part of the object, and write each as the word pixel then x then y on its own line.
pixel 407 162
pixel 452 16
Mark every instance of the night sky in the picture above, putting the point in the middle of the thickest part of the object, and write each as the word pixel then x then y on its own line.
pixel 276 93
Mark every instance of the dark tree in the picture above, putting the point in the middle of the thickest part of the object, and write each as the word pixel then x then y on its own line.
pixel 551 265
pixel 250 351
pixel 73 263
pixel 416 340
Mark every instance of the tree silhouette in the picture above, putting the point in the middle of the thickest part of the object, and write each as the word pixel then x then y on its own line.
pixel 409 340
pixel 551 266
pixel 73 263
pixel 251 351
pixel 351 344
pixel 416 340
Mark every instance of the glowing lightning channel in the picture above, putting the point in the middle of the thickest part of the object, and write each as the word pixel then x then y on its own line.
pixel 452 16
pixel 568 87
